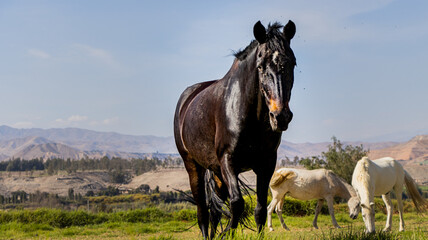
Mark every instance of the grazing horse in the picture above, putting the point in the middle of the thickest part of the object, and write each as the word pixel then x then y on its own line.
pixel 380 177
pixel 305 184
pixel 228 125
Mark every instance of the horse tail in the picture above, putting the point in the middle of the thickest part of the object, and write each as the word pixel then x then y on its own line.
pixel 421 203
pixel 218 206
pixel 279 177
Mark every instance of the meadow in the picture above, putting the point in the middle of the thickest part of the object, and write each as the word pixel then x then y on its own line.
pixel 178 221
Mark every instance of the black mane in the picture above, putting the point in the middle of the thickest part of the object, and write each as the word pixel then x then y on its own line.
pixel 272 32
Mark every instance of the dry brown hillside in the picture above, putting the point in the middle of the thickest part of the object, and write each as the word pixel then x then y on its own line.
pixel 413 151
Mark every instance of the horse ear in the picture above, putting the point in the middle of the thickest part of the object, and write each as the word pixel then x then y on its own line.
pixel 289 30
pixel 259 32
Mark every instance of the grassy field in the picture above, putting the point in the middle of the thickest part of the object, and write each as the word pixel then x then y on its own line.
pixel 157 224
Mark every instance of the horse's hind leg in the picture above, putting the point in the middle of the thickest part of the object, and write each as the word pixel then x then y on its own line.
pixel 216 214
pixel 330 201
pixel 276 203
pixel 398 189
pixel 317 211
pixel 279 207
pixel 197 185
pixel 387 200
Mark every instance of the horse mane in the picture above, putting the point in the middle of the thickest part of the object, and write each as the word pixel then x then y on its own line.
pixel 342 181
pixel 272 32
pixel 280 176
pixel 361 176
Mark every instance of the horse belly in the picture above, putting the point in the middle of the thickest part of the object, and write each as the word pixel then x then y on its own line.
pixel 305 189
pixel 386 180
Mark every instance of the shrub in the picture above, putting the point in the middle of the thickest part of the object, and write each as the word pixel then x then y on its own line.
pixel 142 215
pixel 185 215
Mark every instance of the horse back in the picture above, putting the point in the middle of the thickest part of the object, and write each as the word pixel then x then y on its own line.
pixel 183 103
pixel 187 96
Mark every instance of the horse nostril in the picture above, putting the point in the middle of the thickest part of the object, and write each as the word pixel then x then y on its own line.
pixel 272 115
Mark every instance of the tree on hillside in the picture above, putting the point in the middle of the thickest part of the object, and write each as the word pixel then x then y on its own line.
pixel 340 159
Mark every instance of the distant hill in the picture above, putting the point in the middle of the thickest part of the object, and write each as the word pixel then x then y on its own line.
pixel 291 150
pixel 76 143
pixel 90 140
pixel 415 150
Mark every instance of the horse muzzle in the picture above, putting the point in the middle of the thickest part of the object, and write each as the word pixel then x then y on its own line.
pixel 279 120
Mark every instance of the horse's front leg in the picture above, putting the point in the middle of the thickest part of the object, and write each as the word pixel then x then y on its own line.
pixel 230 177
pixel 330 201
pixel 263 179
pixel 387 200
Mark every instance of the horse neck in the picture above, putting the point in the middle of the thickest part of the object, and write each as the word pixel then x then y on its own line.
pixel 346 191
pixel 244 74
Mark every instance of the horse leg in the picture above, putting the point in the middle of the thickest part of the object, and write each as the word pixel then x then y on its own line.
pixel 275 204
pixel 237 203
pixel 196 177
pixel 279 212
pixel 216 214
pixel 263 179
pixel 398 193
pixel 317 211
pixel 389 208
pixel 330 201
pixel 271 208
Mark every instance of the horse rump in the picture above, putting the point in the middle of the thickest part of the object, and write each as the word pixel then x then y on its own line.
pixel 279 177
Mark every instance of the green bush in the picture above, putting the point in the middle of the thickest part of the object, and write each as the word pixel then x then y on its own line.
pixel 52 217
pixel 142 215
pixel 185 215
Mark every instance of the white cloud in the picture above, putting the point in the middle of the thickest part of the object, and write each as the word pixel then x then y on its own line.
pixel 107 121
pixel 23 125
pixel 71 120
pixel 97 53
pixel 39 53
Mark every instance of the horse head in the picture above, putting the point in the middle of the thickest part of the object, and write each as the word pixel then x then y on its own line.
pixel 354 207
pixel 368 212
pixel 275 63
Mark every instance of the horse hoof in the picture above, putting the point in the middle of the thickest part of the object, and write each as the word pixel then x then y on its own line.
pixel 271 229
pixel 337 226
pixel 316 227
pixel 386 229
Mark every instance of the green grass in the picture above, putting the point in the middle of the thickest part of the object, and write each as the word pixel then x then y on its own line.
pixel 153 223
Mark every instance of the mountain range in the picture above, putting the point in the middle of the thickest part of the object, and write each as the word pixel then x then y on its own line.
pixel 76 143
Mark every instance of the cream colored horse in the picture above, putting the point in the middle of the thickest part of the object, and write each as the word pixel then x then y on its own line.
pixel 304 184
pixel 378 178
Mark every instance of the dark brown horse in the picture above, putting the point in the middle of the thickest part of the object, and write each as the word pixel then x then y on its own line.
pixel 235 124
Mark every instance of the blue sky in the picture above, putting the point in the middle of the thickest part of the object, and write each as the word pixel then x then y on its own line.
pixel 362 66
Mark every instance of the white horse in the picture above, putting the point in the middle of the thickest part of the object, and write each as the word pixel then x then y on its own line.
pixel 304 184
pixel 379 177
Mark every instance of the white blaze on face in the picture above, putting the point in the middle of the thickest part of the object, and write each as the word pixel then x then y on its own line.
pixel 275 56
